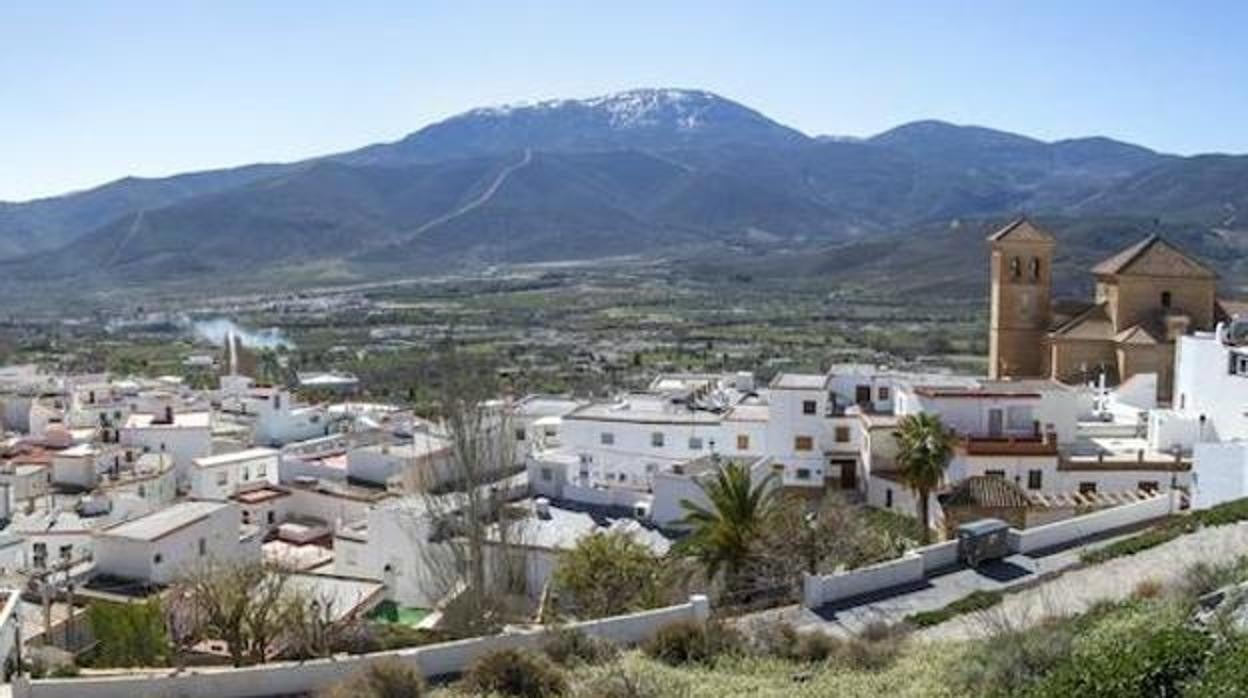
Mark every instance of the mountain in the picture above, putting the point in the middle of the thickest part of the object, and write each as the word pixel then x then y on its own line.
pixel 646 119
pixel 656 172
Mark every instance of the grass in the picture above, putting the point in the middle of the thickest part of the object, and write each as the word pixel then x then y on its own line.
pixel 390 612
pixel 972 602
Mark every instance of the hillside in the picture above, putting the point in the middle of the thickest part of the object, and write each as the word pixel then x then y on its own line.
pixel 653 172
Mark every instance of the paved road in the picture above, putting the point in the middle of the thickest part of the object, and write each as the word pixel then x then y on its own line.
pixel 849 617
pixel 1075 591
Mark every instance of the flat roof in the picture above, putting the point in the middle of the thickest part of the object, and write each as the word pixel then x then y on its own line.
pixel 163 522
pixel 800 381
pixel 235 457
pixel 181 420
pixel 644 409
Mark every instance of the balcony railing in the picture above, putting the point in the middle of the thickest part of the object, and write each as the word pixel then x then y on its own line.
pixel 979 445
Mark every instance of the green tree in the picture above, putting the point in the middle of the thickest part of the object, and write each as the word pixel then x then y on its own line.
pixel 129 635
pixel 608 574
pixel 723 535
pixel 924 447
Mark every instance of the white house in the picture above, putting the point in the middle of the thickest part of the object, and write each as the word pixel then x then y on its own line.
pixel 417 462
pixel 281 420
pixel 165 544
pixel 183 435
pixel 220 476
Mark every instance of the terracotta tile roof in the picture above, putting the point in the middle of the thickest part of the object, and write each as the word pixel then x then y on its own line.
pixel 1023 230
pixel 1126 259
pixel 987 491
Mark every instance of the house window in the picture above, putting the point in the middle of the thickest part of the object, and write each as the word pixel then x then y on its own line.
pixel 695 443
pixel 1087 488
pixel 803 443
pixel 842 435
pixel 995 473
pixel 1035 268
pixel 40 554
pixel 743 442
pixel 884 393
pixel 1165 299
pixel 246 474
pixel 803 473
pixel 547 474
pixel 520 434
pixel 656 439
pixel 223 478
pixel 1016 267
pixel 777 467
pixel 157 558
pixel 271 518
pixel 246 516
pixel 1035 479
pixel 261 470
pixel 606 438
pixel 809 406
pixel 1149 486
pixel 203 547
pixel 888 498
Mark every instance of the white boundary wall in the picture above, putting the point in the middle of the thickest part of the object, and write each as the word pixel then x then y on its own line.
pixel 917 564
pixel 818 590
pixel 1080 527
pixel 292 678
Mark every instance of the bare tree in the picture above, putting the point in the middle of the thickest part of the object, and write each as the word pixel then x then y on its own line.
pixel 462 511
pixel 246 605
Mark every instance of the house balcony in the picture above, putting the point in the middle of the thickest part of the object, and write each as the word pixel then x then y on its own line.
pixel 1030 445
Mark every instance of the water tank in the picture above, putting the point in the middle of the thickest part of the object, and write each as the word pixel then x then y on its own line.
pixel 541 507
pixel 1236 332
pixel 641 511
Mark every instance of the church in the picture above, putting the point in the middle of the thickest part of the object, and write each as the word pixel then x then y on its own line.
pixel 1146 296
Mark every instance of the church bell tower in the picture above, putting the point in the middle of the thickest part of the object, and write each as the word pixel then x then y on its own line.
pixel 1022 256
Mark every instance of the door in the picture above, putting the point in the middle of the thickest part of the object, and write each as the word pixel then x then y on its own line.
pixel 849 474
pixel 862 395
pixel 996 420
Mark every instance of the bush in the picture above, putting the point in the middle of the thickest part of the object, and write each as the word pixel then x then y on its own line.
pixel 689 642
pixel 1145 656
pixel 64 671
pixel 974 601
pixel 1226 675
pixel 623 683
pixel 1224 513
pixel 518 673
pixel 875 648
pixel 1147 589
pixel 1014 657
pixel 1151 538
pixel 569 647
pixel 783 641
pixel 385 678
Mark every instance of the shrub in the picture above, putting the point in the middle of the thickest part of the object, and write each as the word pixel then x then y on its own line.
pixel 64 671
pixel 623 683
pixel 783 641
pixel 974 601
pixel 569 647
pixel 1224 513
pixel 875 647
pixel 385 678
pixel 689 642
pixel 1014 657
pixel 1147 589
pixel 1148 656
pixel 1226 675
pixel 518 673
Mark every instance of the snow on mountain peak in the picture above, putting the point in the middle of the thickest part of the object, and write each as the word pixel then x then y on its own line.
pixel 685 109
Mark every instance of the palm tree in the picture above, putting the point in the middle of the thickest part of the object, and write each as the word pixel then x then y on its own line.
pixel 723 535
pixel 924 448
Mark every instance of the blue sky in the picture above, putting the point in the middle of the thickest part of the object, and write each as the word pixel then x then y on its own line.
pixel 90 92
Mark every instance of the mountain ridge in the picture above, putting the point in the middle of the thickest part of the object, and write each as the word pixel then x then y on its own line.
pixel 633 172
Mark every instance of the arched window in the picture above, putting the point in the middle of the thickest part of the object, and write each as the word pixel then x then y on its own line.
pixel 1016 267
pixel 1165 299
pixel 1035 268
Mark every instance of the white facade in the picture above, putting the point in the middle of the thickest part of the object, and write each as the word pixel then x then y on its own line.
pixel 184 436
pixel 279 420
pixel 161 546
pixel 219 477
